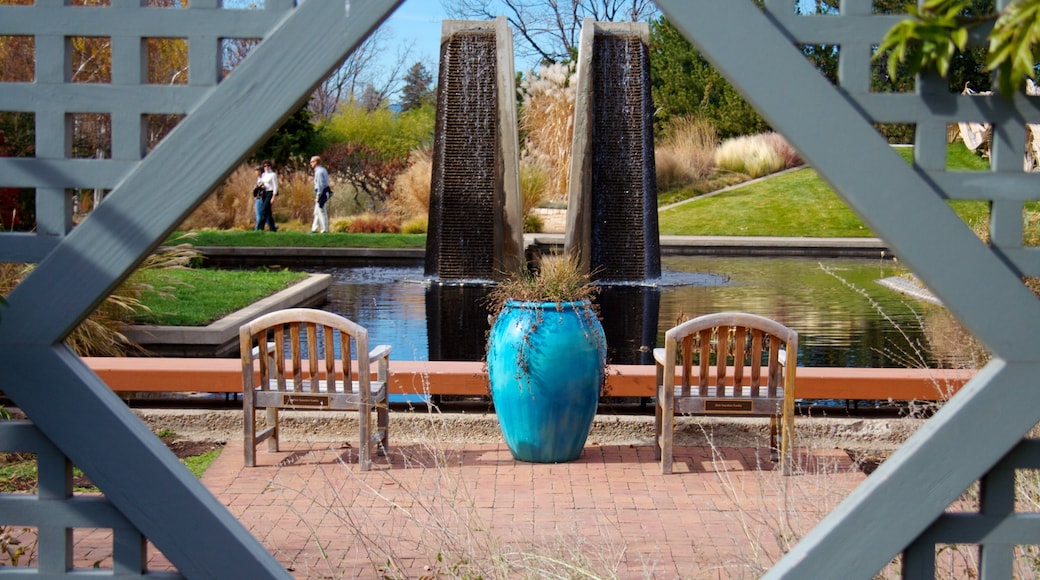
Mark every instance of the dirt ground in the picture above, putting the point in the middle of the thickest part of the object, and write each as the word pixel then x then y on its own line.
pixel 27 483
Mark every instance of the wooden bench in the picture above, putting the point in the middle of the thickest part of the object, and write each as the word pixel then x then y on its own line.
pixel 326 342
pixel 753 359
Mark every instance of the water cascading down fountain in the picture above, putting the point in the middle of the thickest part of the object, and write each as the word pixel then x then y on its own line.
pixel 475 227
pixel 612 197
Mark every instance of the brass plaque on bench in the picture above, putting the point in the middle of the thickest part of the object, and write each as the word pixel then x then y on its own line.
pixel 295 400
pixel 735 406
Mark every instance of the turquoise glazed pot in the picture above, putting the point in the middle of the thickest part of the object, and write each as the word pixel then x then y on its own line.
pixel 546 362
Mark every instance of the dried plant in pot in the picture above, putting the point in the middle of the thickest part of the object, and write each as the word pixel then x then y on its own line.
pixel 546 357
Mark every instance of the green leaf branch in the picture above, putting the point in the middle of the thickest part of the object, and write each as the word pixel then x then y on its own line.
pixel 935 30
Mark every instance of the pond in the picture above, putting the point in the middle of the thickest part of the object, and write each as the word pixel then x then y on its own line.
pixel 844 317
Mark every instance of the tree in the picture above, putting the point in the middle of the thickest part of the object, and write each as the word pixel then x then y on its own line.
pixel 417 90
pixel 394 134
pixel 938 30
pixel 359 73
pixel 287 146
pixel 550 30
pixel 365 168
pixel 684 83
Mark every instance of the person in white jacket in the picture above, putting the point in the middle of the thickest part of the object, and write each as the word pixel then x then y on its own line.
pixel 322 193
pixel 269 181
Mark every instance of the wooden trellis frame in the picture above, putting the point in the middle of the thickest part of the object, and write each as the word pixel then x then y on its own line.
pixel 898 508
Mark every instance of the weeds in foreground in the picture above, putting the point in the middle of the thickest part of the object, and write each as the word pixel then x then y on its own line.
pixel 422 515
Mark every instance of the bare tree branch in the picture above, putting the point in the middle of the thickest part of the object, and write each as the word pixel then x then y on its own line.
pixel 359 71
pixel 549 30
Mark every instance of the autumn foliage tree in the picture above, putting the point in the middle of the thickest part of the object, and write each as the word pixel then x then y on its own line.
pixel 366 169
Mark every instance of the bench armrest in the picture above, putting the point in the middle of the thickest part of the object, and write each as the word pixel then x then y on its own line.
pixel 380 351
pixel 659 356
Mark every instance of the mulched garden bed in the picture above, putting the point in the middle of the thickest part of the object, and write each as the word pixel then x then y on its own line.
pixel 24 480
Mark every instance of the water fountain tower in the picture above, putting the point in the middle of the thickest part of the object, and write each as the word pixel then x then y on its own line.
pixel 612 197
pixel 475 224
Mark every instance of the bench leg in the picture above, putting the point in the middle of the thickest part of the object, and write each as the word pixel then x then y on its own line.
pixel 365 438
pixel 383 424
pixel 272 423
pixel 249 423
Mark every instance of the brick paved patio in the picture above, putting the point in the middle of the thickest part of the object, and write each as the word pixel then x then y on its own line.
pixel 430 510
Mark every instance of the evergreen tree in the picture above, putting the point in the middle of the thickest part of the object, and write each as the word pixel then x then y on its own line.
pixel 417 89
pixel 294 140
pixel 684 83
pixel 371 99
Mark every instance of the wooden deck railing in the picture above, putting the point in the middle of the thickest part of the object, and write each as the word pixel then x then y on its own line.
pixel 224 375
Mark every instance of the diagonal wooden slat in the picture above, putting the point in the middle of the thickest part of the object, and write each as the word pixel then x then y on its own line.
pixel 885 192
pixel 172 180
pixel 908 211
pixel 53 386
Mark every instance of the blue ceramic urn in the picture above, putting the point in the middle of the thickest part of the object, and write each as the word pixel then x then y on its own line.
pixel 546 362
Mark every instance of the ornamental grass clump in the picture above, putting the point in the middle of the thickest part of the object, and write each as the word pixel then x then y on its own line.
pixel 751 155
pixel 558 278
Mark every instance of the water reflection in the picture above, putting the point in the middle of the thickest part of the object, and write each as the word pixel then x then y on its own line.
pixel 844 318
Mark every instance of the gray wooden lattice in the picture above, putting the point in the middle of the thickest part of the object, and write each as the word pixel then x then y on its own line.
pixel 906 206
pixel 224 120
pixel 757 50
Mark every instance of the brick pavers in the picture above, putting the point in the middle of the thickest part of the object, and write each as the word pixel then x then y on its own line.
pixel 427 509
pixel 471 510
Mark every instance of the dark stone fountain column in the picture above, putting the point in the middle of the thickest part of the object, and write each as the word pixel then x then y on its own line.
pixel 612 203
pixel 475 225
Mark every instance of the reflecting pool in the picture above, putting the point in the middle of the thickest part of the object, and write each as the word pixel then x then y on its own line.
pixel 844 317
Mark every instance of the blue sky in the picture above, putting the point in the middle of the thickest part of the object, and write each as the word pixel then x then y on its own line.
pixel 418 20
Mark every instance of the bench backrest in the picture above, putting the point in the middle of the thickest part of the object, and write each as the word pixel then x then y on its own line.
pixel 316 341
pixel 732 349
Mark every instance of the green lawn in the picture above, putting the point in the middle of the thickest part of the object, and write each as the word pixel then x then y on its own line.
pixel 197 297
pixel 799 204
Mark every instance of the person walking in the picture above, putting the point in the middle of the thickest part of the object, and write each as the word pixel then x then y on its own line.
pixel 269 181
pixel 322 193
pixel 258 197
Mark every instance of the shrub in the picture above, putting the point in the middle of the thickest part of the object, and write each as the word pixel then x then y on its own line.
pixel 373 223
pixel 381 129
pixel 416 225
pixel 750 155
pixel 411 193
pixel 229 206
pixel 534 180
pixel 365 168
pixel 533 224
pixel 340 226
pixel 295 200
pixel 686 152
pixel 784 149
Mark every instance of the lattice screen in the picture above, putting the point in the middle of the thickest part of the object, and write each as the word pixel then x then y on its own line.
pixel 932 109
pixel 92 67
pixel 152 185
pixel 901 508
